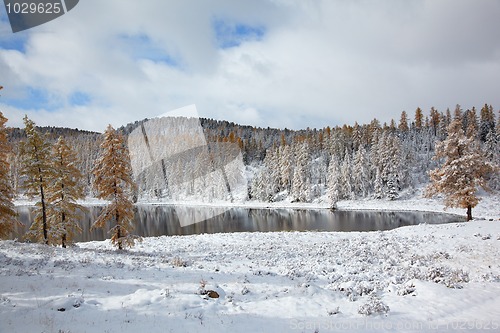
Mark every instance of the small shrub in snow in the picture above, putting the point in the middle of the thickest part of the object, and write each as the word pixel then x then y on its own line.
pixel 373 306
pixel 352 289
pixel 483 237
pixel 245 290
pixel 179 262
pixel 85 261
pixel 333 311
pixel 201 288
pixel 166 292
pixel 4 300
pixel 407 289
pixel 452 278
pixel 464 248
pixel 64 264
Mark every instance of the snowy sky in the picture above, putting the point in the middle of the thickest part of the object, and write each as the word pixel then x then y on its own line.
pixel 277 63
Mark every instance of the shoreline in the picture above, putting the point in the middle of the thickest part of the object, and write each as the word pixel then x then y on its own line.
pixel 487 209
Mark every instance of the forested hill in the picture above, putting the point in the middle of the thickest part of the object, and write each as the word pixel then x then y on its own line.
pixel 372 160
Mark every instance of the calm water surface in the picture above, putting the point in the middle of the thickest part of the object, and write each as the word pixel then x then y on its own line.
pixel 163 220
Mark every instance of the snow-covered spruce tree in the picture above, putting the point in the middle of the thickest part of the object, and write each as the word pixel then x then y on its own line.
pixel 471 127
pixel 301 179
pixel 403 123
pixel 419 118
pixel 271 163
pixel 333 182
pixel 258 189
pixel 492 149
pixel 393 176
pixel 361 173
pixel 392 188
pixel 487 121
pixel 285 167
pixel 38 173
pixel 63 193
pixel 346 178
pixel 113 182
pixel 378 186
pixel 462 172
pixel 7 213
pixel 356 136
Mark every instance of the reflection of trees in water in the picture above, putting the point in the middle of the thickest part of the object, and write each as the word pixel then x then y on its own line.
pixel 164 220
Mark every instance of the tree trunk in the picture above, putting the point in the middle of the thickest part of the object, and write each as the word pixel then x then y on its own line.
pixel 118 234
pixel 63 240
pixel 469 212
pixel 44 213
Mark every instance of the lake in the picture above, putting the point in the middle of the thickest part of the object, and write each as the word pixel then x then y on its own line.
pixel 152 220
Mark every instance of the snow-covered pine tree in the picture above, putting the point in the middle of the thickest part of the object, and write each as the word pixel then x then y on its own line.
pixel 7 213
pixel 346 178
pixel 271 163
pixel 407 162
pixel 356 136
pixel 378 186
pixel 285 168
pixel 462 172
pixel 301 179
pixel 487 121
pixel 419 118
pixel 443 126
pixel 394 167
pixel 381 161
pixel 37 170
pixel 458 114
pixel 392 188
pixel 492 150
pixel 434 121
pixel 361 173
pixel 64 191
pixel 113 182
pixel 333 182
pixel 403 122
pixel 258 189
pixel 471 129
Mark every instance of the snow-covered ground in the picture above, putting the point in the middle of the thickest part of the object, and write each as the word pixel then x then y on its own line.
pixel 411 279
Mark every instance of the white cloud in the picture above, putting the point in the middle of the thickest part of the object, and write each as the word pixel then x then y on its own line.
pixel 319 63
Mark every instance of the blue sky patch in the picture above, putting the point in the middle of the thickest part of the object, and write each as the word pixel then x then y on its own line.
pixel 79 98
pixel 34 99
pixel 140 46
pixel 230 34
pixel 13 42
pixel 9 40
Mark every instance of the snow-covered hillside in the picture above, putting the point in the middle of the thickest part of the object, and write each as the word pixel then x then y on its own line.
pixel 419 278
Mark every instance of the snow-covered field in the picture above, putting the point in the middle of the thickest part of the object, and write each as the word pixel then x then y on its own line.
pixel 412 279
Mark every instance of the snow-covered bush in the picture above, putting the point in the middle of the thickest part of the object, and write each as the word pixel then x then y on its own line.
pixel 352 289
pixel 245 290
pixel 452 278
pixel 179 262
pixel 407 289
pixel 373 306
pixel 333 311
